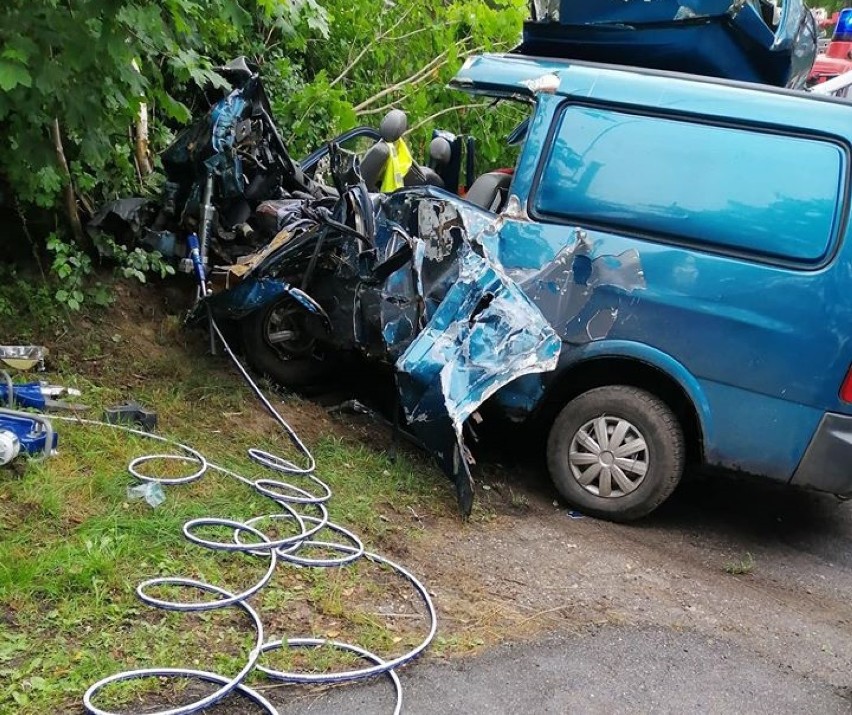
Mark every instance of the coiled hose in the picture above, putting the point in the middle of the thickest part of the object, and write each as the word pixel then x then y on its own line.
pixel 289 498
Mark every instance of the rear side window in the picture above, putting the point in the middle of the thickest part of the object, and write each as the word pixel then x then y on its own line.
pixel 729 188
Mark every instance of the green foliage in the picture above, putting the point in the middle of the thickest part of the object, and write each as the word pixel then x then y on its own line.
pixel 741 566
pixel 71 267
pixel 136 263
pixel 24 303
pixel 372 47
pixel 76 63
pixel 85 68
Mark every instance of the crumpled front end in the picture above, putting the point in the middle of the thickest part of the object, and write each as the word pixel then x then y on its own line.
pixel 418 291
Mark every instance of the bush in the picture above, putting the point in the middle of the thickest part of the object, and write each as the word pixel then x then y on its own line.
pixel 74 76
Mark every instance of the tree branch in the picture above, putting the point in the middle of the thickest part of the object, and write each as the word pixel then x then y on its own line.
pixel 383 108
pixel 418 76
pixel 406 35
pixel 415 78
pixel 368 47
pixel 69 192
pixel 447 110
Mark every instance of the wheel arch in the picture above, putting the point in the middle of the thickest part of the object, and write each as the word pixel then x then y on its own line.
pixel 671 383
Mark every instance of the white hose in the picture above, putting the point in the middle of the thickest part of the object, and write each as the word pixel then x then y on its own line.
pixel 277 551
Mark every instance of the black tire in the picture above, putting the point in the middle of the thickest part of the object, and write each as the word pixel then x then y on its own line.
pixel 650 419
pixel 293 365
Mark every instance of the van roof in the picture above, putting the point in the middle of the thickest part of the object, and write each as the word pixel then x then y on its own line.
pixel 514 75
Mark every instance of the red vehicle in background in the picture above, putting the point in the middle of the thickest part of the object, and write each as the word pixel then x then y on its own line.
pixel 837 58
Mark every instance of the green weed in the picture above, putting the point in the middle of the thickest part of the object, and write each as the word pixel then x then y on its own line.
pixel 741 566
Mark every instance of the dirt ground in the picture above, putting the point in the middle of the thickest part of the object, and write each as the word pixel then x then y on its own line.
pixel 766 568
pixel 532 567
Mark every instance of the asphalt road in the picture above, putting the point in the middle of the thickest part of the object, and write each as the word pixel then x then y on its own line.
pixel 617 670
pixel 675 632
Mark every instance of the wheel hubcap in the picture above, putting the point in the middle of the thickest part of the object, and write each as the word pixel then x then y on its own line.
pixel 609 457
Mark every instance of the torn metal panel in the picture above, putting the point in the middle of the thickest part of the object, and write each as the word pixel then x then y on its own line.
pixel 484 335
pixel 256 292
pixel 520 397
pixel 599 325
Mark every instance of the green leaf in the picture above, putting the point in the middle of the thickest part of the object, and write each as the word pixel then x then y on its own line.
pixel 37 682
pixel 174 109
pixel 13 74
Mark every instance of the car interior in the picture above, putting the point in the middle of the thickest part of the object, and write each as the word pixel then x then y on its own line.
pixel 488 191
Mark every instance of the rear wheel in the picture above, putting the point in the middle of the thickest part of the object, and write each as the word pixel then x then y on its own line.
pixel 616 452
pixel 278 344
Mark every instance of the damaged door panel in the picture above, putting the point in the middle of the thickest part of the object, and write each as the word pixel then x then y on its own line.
pixel 485 334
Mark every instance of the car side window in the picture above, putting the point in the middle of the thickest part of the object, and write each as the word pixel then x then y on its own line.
pixel 727 188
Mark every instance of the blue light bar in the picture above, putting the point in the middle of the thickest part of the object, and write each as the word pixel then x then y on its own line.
pixel 843 30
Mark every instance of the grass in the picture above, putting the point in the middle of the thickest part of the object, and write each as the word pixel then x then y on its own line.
pixel 742 566
pixel 518 500
pixel 73 548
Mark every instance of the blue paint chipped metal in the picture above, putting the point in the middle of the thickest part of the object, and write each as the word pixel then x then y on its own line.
pixel 485 334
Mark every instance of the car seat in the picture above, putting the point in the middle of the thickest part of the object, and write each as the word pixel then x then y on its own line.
pixel 374 161
pixel 490 191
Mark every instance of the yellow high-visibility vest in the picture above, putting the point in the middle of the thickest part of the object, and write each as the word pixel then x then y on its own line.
pixel 399 163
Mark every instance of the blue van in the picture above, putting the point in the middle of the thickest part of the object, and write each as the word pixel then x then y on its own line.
pixel 662 280
pixel 720 333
